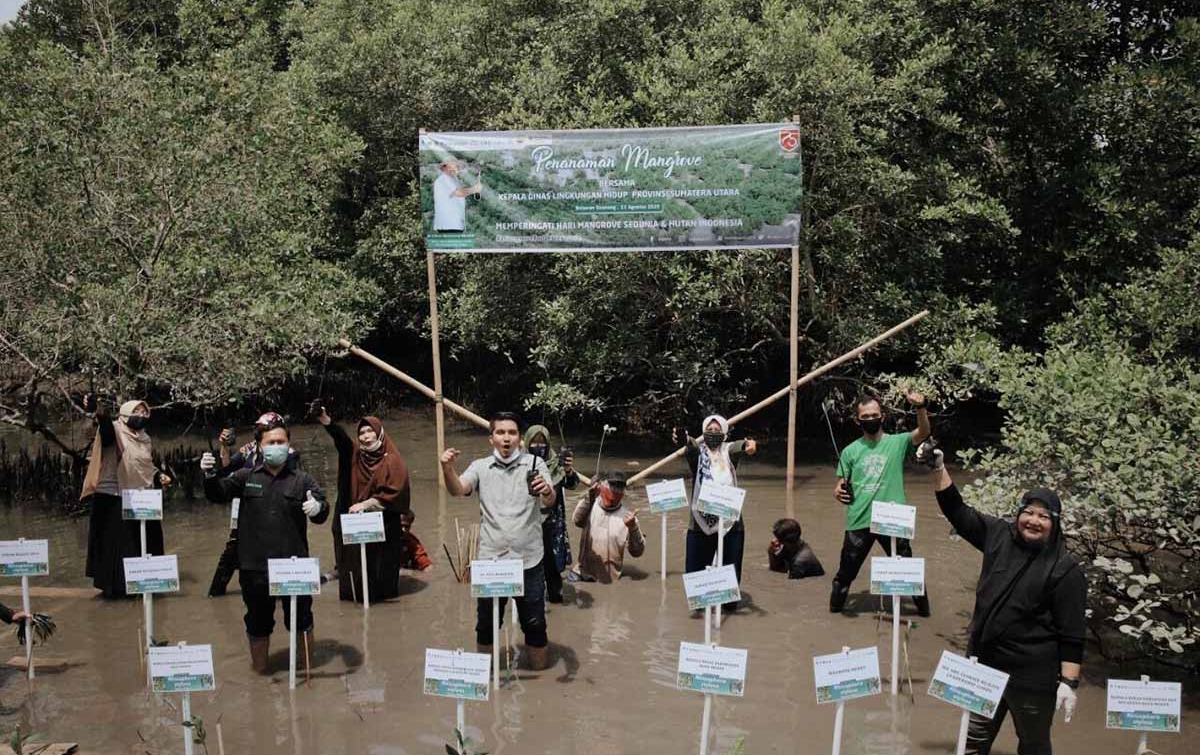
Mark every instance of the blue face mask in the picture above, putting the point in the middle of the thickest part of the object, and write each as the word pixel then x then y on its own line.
pixel 275 456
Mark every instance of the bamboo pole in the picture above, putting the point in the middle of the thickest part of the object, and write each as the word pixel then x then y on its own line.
pixel 827 367
pixel 793 368
pixel 439 410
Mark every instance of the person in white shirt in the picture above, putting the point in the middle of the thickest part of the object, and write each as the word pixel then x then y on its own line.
pixel 450 199
pixel 609 531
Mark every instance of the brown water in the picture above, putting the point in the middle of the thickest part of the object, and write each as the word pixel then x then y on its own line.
pixel 611 691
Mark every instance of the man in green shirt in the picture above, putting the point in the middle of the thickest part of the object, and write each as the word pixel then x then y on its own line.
pixel 873 466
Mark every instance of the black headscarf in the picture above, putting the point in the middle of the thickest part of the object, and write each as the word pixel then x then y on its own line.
pixel 1007 596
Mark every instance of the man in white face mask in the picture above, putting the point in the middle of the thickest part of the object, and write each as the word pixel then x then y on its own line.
pixel 514 489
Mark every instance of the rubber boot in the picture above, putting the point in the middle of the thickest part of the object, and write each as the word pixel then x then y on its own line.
pixel 922 603
pixel 260 649
pixel 539 658
pixel 837 598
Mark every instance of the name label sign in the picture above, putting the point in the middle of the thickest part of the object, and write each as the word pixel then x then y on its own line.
pixel 721 500
pixel 497 579
pixel 293 576
pixel 844 676
pixel 1143 706
pixel 711 587
pixel 24 558
pixel 893 519
pixel 151 574
pixel 233 513
pixel 456 674
pixel 891 575
pixel 970 686
pixel 711 669
pixel 182 668
pixel 366 527
pixel 667 495
pixel 141 505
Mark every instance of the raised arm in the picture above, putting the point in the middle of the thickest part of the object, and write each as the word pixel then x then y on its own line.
pixel 222 489
pixel 341 441
pixel 455 485
pixel 583 509
pixel 972 525
pixel 924 428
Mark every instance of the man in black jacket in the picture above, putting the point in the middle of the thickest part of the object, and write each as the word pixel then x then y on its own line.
pixel 277 497
pixel 1029 611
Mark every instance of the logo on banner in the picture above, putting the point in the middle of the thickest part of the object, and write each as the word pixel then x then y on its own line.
pixel 789 139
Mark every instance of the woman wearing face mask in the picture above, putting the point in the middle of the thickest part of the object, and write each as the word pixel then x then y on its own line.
pixel 714 460
pixel 120 460
pixel 372 476
pixel 555 544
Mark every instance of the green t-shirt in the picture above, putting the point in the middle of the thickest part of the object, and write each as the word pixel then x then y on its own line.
pixel 876 473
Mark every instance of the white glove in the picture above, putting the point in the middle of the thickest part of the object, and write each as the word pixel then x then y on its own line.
pixel 208 464
pixel 1066 700
pixel 311 505
pixel 931 456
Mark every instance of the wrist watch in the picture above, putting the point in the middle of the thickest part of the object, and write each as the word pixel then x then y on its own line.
pixel 1072 683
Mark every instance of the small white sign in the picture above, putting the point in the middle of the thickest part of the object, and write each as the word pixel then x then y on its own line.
pixel 151 574
pixel 293 576
pixel 233 513
pixel 1143 706
pixel 893 519
pixel 24 558
pixel 667 495
pixel 450 673
pixel 970 686
pixel 892 575
pixel 366 527
pixel 497 579
pixel 721 500
pixel 844 676
pixel 712 669
pixel 711 587
pixel 141 504
pixel 182 668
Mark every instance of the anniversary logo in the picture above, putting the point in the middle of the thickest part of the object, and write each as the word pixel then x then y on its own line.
pixel 612 190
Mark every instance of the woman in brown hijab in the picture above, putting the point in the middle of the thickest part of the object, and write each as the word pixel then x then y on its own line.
pixel 120 460
pixel 372 476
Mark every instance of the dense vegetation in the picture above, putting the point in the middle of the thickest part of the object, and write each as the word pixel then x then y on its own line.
pixel 200 196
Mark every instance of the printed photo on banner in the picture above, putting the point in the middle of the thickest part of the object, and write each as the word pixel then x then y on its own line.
pixel 685 188
pixel 151 574
pixel 970 686
pixel 182 668
pixel 24 558
pixel 893 519
pixel 721 500
pixel 844 676
pixel 667 495
pixel 293 576
pixel 1143 706
pixel 897 576
pixel 497 579
pixel 450 673
pixel 141 504
pixel 711 587
pixel 712 669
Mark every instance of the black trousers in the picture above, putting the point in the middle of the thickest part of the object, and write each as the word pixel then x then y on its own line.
pixel 260 606
pixel 702 550
pixel 226 566
pixel 1032 714
pixel 554 580
pixel 531 612
pixel 856 546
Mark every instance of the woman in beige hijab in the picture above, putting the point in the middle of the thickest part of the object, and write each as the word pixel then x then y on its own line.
pixel 120 460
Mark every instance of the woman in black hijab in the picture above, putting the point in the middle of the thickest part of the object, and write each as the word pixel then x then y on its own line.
pixel 1029 611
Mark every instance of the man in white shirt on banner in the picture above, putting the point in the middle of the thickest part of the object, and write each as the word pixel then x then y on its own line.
pixel 450 199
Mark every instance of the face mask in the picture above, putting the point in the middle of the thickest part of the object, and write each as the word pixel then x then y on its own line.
pixel 540 451
pixel 506 459
pixel 713 440
pixel 373 447
pixel 871 426
pixel 610 499
pixel 136 421
pixel 275 456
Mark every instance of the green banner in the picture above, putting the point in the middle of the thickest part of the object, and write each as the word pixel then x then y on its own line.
pixel 706 187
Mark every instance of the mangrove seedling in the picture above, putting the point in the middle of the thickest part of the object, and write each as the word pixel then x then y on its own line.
pixel 465 746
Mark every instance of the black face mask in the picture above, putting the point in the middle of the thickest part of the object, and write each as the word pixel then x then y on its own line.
pixel 540 451
pixel 136 421
pixel 871 426
pixel 713 440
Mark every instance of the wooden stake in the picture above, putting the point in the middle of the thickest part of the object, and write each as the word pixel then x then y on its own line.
pixel 431 273
pixel 827 367
pixel 793 368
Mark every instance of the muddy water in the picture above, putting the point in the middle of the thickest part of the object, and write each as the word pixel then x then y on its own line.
pixel 611 691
